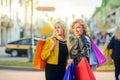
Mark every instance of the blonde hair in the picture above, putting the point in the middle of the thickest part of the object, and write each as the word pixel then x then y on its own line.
pixel 117 32
pixel 84 25
pixel 63 25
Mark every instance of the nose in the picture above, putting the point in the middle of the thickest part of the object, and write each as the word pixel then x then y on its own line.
pixel 75 30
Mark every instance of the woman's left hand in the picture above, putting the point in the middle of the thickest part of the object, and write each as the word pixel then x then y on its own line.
pixel 69 61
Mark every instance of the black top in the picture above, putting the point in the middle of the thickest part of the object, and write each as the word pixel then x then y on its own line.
pixel 63 53
pixel 56 72
pixel 115 46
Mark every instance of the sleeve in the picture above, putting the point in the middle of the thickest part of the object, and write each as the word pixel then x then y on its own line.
pixel 111 43
pixel 86 47
pixel 46 50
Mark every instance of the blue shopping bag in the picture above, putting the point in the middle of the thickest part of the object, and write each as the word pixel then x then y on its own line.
pixel 69 74
pixel 93 59
pixel 99 56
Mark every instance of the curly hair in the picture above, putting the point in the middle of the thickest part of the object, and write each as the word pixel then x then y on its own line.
pixel 117 32
pixel 84 25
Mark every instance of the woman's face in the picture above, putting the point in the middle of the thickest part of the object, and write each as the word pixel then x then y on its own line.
pixel 59 31
pixel 77 30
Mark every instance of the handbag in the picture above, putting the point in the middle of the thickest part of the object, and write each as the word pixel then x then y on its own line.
pixel 100 57
pixel 93 60
pixel 83 71
pixel 38 62
pixel 107 52
pixel 69 74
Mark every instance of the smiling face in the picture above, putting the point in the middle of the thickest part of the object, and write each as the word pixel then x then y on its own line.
pixel 77 29
pixel 59 31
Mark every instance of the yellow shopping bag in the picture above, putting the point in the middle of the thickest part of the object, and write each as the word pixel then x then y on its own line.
pixel 107 52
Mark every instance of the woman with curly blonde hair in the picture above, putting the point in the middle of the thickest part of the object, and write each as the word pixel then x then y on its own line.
pixel 80 46
pixel 114 44
pixel 84 26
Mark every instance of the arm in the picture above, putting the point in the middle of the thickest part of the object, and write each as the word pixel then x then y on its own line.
pixel 86 47
pixel 46 50
pixel 110 45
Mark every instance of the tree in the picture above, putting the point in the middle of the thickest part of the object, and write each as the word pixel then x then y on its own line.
pixel 46 30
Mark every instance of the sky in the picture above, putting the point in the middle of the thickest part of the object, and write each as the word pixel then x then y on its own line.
pixel 66 8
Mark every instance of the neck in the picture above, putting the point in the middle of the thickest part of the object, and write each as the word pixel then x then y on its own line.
pixel 61 38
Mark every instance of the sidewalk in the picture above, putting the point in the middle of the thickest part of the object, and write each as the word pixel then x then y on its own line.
pixel 33 69
pixel 40 75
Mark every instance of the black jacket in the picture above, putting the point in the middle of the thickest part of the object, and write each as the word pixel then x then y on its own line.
pixel 114 44
pixel 80 48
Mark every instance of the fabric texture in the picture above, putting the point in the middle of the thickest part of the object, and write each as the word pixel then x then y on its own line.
pixel 51 57
pixel 80 48
pixel 114 44
pixel 38 62
pixel 83 71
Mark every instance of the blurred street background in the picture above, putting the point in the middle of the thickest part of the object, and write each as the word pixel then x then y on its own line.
pixel 35 18
pixel 23 19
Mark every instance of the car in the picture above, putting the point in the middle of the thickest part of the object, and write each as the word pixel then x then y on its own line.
pixel 20 47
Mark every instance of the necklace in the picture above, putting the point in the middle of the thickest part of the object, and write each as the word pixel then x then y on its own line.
pixel 62 42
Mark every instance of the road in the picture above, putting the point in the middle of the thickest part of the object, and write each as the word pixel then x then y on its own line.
pixel 39 75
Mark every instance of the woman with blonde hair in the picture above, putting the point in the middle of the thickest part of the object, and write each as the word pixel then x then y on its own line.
pixel 55 53
pixel 80 51
pixel 114 44
pixel 81 43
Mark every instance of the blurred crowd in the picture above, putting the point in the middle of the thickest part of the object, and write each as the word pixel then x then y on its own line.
pixel 101 38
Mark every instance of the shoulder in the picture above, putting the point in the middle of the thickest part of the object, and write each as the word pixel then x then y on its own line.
pixel 48 39
pixel 86 38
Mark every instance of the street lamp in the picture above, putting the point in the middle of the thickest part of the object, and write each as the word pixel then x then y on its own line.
pixel 31 49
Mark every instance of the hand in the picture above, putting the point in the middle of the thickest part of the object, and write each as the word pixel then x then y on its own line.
pixel 53 40
pixel 69 61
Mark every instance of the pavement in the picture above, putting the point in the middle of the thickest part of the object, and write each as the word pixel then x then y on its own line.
pixel 25 74
pixel 33 69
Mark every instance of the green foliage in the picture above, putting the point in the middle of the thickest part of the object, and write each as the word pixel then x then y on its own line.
pixel 114 4
pixel 102 12
pixel 98 9
pixel 18 63
pixel 107 65
pixel 26 64
pixel 104 2
pixel 46 30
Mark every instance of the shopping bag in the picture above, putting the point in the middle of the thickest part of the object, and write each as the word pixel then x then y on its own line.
pixel 38 62
pixel 100 57
pixel 107 52
pixel 69 74
pixel 93 60
pixel 83 71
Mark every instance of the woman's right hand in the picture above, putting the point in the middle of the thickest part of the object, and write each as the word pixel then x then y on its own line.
pixel 53 40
